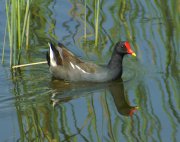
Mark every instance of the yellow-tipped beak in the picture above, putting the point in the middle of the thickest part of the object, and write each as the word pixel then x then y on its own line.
pixel 133 54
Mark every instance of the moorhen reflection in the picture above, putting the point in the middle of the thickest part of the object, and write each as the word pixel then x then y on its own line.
pixel 65 92
pixel 121 102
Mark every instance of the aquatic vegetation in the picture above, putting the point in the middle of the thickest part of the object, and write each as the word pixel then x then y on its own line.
pixel 18 22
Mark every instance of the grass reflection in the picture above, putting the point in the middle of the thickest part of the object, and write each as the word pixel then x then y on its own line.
pixel 41 119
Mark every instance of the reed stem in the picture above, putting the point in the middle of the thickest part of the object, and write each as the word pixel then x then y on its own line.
pixel 96 22
pixel 4 42
pixel 85 3
pixel 18 21
pixel 30 64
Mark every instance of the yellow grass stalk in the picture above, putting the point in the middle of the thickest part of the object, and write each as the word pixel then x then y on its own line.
pixel 30 64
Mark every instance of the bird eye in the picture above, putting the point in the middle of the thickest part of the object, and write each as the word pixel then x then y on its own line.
pixel 123 47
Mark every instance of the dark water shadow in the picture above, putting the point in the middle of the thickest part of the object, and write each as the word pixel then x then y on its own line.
pixel 65 92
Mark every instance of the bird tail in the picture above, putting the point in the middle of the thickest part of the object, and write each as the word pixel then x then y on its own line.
pixel 53 57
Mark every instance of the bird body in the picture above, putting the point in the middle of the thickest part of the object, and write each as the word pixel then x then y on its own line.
pixel 63 64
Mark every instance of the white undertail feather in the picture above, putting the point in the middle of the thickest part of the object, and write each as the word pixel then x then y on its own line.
pixel 52 61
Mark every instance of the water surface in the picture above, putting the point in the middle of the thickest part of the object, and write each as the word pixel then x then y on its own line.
pixel 143 106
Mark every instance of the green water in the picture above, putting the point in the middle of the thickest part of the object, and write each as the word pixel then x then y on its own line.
pixel 33 107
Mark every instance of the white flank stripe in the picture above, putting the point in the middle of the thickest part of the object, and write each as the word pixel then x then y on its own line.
pixel 72 65
pixel 81 69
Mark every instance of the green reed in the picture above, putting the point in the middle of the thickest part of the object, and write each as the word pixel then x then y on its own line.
pixel 97 9
pixel 18 22
pixel 85 14
pixel 95 6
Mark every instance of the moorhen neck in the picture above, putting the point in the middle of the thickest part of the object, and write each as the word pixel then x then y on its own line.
pixel 65 65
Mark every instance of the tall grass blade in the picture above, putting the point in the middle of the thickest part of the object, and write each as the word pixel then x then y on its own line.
pixel 85 5
pixel 18 21
pixel 19 24
pixel 97 8
pixel 4 42
pixel 25 20
pixel 27 32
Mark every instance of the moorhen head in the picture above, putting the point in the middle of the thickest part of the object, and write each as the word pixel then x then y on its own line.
pixel 63 64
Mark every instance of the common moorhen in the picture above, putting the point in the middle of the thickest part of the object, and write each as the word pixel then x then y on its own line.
pixel 63 64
